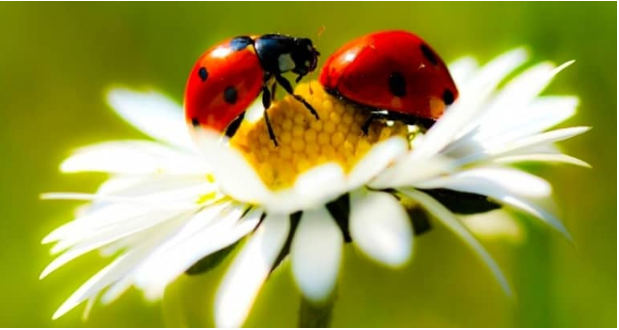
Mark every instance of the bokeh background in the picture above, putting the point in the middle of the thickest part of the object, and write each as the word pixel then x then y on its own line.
pixel 56 61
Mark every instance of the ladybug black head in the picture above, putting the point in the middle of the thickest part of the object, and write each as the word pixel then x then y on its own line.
pixel 305 56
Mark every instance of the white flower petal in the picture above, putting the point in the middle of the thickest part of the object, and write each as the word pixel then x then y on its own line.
pixel 120 267
pixel 153 114
pixel 101 218
pixel 469 106
pixel 233 172
pixel 533 208
pixel 133 157
pixel 541 114
pixel 509 190
pixel 488 180
pixel 462 69
pixel 178 254
pixel 381 228
pixel 412 169
pixel 495 225
pixel 94 240
pixel 249 270
pixel 96 283
pixel 116 290
pixel 544 158
pixel 315 254
pixel 376 160
pixel 523 146
pixel 320 184
pixel 518 93
pixel 173 200
pixel 451 222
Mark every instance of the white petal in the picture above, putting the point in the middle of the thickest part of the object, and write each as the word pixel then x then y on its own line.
pixel 495 225
pixel 320 184
pixel 100 238
pixel 510 192
pixel 381 228
pixel 411 169
pixel 518 93
pixel 234 174
pixel 315 254
pixel 525 145
pixel 103 278
pixel 173 200
pixel 451 222
pixel 533 208
pixel 541 114
pixel 153 114
pixel 376 160
pixel 111 214
pixel 544 158
pixel 312 189
pixel 133 157
pixel 116 290
pixel 487 180
pixel 186 248
pixel 462 69
pixel 469 106
pixel 249 270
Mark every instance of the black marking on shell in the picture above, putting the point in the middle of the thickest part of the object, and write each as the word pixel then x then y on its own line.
pixel 195 122
pixel 230 95
pixel 397 84
pixel 448 97
pixel 428 54
pixel 203 73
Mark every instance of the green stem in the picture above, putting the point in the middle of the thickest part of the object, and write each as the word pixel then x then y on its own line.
pixel 313 315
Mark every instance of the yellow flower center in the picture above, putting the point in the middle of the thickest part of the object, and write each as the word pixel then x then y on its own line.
pixel 304 141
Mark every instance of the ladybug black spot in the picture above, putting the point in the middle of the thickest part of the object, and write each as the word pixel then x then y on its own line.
pixel 428 54
pixel 203 73
pixel 448 97
pixel 195 122
pixel 230 95
pixel 397 84
pixel 240 43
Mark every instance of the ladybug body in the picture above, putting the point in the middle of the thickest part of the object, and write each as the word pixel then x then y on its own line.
pixel 394 71
pixel 228 77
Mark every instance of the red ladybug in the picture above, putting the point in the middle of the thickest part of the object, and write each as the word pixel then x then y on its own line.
pixel 228 77
pixel 394 71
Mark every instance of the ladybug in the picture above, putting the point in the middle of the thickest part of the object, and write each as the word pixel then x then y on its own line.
pixel 228 77
pixel 394 73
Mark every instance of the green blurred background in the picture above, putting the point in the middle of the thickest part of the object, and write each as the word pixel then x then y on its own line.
pixel 57 59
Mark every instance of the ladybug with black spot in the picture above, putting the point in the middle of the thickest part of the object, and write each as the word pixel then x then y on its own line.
pixel 394 73
pixel 228 77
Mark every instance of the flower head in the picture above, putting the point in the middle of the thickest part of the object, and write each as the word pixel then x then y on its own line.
pixel 169 204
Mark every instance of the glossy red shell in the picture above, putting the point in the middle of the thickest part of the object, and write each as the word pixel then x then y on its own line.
pixel 225 69
pixel 363 70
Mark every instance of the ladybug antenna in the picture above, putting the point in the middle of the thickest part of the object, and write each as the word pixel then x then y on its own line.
pixel 319 33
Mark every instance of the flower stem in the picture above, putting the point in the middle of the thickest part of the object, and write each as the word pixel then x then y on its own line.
pixel 314 315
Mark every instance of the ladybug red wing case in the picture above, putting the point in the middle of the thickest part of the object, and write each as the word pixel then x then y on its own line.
pixel 222 84
pixel 230 76
pixel 391 70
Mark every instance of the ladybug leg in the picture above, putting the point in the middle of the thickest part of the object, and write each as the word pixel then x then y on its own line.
pixel 424 124
pixel 288 88
pixel 373 116
pixel 266 102
pixel 234 125
pixel 273 91
pixel 366 126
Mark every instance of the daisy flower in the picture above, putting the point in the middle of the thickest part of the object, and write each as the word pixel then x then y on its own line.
pixel 173 206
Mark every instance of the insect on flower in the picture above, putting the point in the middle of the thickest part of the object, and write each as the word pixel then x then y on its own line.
pixel 228 77
pixel 171 203
pixel 395 73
